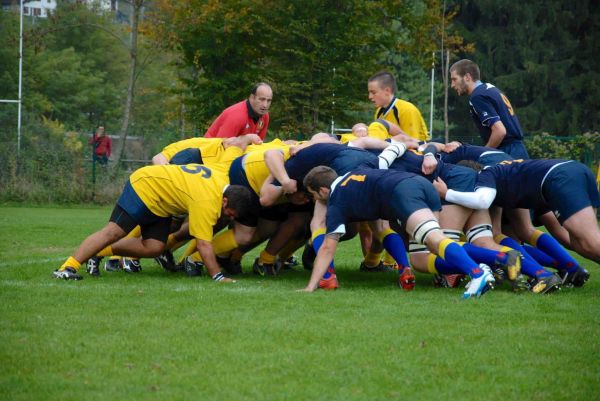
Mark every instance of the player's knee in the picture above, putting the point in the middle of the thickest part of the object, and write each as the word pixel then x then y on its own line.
pixel 479 232
pixel 424 229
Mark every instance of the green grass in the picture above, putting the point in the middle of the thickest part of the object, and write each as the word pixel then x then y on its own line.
pixel 162 336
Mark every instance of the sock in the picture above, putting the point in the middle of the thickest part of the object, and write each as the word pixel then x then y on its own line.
pixel 541 257
pixel 388 259
pixel 191 248
pixel 71 262
pixel 511 243
pixel 372 258
pixel 547 244
pixel 437 265
pixel 455 255
pixel 105 252
pixel 224 242
pixel 266 258
pixel 488 256
pixel 173 243
pixel 317 240
pixel 135 233
pixel 394 245
pixel 532 268
pixel 529 266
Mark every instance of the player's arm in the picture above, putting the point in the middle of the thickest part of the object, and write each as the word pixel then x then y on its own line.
pixel 323 260
pixel 429 160
pixel 482 198
pixel 160 159
pixel 242 141
pixel 274 161
pixel 451 146
pixel 367 142
pixel 205 249
pixel 497 135
pixel 269 193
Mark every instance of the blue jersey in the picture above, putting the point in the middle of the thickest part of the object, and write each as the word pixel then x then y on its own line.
pixel 481 154
pixel 518 183
pixel 339 157
pixel 488 105
pixel 362 195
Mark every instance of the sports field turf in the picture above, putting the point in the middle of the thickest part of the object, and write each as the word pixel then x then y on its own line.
pixel 161 336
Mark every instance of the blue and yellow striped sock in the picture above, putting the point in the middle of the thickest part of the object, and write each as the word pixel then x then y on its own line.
pixel 455 255
pixel 394 245
pixel 317 240
pixel 547 244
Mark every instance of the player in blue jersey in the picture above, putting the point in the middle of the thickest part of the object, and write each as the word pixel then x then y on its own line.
pixel 407 201
pixel 563 187
pixel 491 110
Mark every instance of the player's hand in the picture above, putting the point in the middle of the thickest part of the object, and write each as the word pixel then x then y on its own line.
pixel 254 139
pixel 289 187
pixel 451 146
pixel 227 280
pixel 429 164
pixel 306 289
pixel 441 187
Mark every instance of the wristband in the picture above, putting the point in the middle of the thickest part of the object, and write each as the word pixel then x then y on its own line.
pixel 218 277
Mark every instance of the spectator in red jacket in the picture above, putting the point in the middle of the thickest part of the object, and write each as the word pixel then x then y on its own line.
pixel 250 116
pixel 102 146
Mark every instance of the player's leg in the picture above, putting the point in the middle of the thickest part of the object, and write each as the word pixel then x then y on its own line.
pixel 585 234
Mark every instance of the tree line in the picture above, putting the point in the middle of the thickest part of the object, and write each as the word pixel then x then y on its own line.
pixel 190 59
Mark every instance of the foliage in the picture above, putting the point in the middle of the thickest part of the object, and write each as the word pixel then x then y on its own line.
pixel 542 54
pixel 228 46
pixel 580 147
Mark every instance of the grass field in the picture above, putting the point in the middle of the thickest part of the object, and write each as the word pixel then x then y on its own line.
pixel 160 336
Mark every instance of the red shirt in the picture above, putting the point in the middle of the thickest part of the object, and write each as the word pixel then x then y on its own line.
pixel 237 120
pixel 102 145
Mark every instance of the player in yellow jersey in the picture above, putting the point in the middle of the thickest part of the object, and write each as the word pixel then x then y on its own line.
pixel 151 196
pixel 382 89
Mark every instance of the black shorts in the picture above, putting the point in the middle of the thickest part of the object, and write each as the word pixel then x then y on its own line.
pixel 157 228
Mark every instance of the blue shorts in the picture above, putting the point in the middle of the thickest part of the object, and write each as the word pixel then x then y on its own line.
pixel 568 188
pixel 187 156
pixel 131 211
pixel 413 194
pixel 516 149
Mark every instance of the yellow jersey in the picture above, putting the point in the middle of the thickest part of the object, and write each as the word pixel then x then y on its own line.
pixel 405 115
pixel 256 168
pixel 195 189
pixel 210 148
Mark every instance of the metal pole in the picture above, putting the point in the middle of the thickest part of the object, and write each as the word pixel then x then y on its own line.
pixel 431 103
pixel 20 82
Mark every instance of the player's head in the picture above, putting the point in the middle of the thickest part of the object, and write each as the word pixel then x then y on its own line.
pixel 472 164
pixel 382 87
pixel 464 74
pixel 360 130
pixel 318 182
pixel 260 98
pixel 100 130
pixel 237 201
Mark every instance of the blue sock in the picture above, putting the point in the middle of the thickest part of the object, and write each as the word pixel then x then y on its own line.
pixel 529 266
pixel 393 243
pixel 541 257
pixel 547 244
pixel 443 267
pixel 317 241
pixel 483 255
pixel 454 254
pixel 511 243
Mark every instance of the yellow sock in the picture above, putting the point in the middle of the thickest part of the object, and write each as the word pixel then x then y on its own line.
pixel 388 259
pixel 442 247
pixel 372 258
pixel 534 237
pixel 105 252
pixel 224 242
pixel 173 243
pixel 196 257
pixel 318 231
pixel 191 248
pixel 71 262
pixel 498 238
pixel 135 233
pixel 431 263
pixel 266 258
